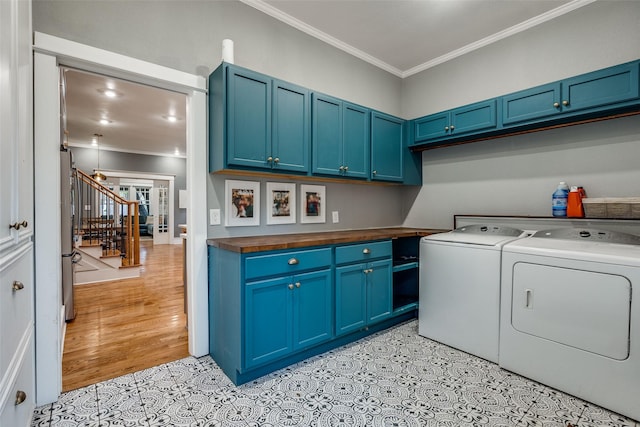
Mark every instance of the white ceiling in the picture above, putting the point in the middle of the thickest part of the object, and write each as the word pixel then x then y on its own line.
pixel 137 115
pixel 402 37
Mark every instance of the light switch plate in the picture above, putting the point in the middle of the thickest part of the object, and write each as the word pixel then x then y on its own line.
pixel 335 216
pixel 214 216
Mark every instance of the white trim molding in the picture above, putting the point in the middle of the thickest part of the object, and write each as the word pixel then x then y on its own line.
pixel 266 8
pixel 51 53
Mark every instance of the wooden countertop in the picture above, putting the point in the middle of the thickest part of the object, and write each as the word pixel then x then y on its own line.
pixel 301 240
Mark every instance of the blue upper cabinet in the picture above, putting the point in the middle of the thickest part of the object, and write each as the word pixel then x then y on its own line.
pixel 257 122
pixel 326 135
pixel 467 120
pixel 357 141
pixel 291 128
pixel 601 88
pixel 593 92
pixel 248 118
pixel 387 147
pixel 592 95
pixel 531 104
pixel 340 138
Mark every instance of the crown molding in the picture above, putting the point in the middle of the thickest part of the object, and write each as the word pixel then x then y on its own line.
pixel 320 35
pixel 314 32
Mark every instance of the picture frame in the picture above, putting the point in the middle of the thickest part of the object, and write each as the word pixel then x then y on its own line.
pixel 281 203
pixel 313 204
pixel 242 203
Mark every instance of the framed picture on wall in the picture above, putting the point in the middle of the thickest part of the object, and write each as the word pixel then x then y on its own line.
pixel 281 203
pixel 312 204
pixel 242 203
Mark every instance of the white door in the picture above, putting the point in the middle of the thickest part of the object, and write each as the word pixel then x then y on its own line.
pixel 161 219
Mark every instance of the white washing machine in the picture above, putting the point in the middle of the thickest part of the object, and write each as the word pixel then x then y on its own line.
pixel 460 287
pixel 568 319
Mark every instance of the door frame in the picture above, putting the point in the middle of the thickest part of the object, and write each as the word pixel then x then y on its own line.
pixel 50 53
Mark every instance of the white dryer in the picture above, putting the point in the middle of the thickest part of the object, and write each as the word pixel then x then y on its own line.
pixel 569 318
pixel 460 287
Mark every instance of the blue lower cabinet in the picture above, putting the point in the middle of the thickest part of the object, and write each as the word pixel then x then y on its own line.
pixel 363 295
pixel 270 309
pixel 285 314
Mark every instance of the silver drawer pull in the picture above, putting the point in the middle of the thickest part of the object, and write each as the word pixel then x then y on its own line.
pixel 17 286
pixel 293 261
pixel 21 396
pixel 290 285
pixel 368 270
pixel 366 251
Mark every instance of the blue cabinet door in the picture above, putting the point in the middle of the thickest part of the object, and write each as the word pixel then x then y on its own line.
pixel 268 320
pixel 356 141
pixel 474 118
pixel 379 290
pixel 326 135
pixel 431 127
pixel 351 298
pixel 312 308
pixel 601 88
pixel 248 118
pixel 531 104
pixel 387 146
pixel 291 128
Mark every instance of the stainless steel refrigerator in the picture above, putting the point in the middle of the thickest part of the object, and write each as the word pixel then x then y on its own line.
pixel 68 215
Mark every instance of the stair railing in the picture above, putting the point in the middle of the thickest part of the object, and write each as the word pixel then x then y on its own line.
pixel 106 219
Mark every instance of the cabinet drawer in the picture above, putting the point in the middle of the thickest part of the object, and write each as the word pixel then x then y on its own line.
pixel 363 252
pixel 16 312
pixel 20 415
pixel 286 263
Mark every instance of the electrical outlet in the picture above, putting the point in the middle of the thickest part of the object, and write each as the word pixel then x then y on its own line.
pixel 335 216
pixel 214 216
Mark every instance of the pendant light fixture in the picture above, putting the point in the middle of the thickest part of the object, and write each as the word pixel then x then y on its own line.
pixel 97 175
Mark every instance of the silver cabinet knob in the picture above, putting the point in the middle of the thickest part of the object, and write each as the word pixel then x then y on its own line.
pixel 565 102
pixel 297 284
pixel 276 160
pixel 269 159
pixel 446 128
pixel 366 251
pixel 452 127
pixel 21 396
pixel 346 168
pixel 556 104
pixel 17 286
pixel 290 285
pixel 375 172
pixel 341 168
pixel 293 261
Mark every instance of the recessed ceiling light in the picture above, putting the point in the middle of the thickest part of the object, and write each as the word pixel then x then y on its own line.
pixel 171 118
pixel 177 152
pixel 110 93
pixel 104 121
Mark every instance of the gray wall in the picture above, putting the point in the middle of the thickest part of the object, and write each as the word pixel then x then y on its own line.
pixel 86 160
pixel 517 175
pixel 187 35
pixel 489 177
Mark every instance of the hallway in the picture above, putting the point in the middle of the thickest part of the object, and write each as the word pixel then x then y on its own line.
pixel 128 325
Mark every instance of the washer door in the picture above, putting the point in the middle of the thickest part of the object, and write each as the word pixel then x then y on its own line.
pixel 587 310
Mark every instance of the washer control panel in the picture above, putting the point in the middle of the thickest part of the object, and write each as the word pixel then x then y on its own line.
pixel 592 235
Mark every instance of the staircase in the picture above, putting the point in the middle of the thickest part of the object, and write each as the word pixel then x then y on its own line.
pixel 108 233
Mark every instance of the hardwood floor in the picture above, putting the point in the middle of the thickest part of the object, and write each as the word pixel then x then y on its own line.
pixel 127 325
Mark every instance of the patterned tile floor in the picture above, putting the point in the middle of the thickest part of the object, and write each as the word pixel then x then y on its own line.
pixel 393 378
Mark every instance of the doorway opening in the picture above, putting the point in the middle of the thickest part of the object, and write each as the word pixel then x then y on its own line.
pixel 122 323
